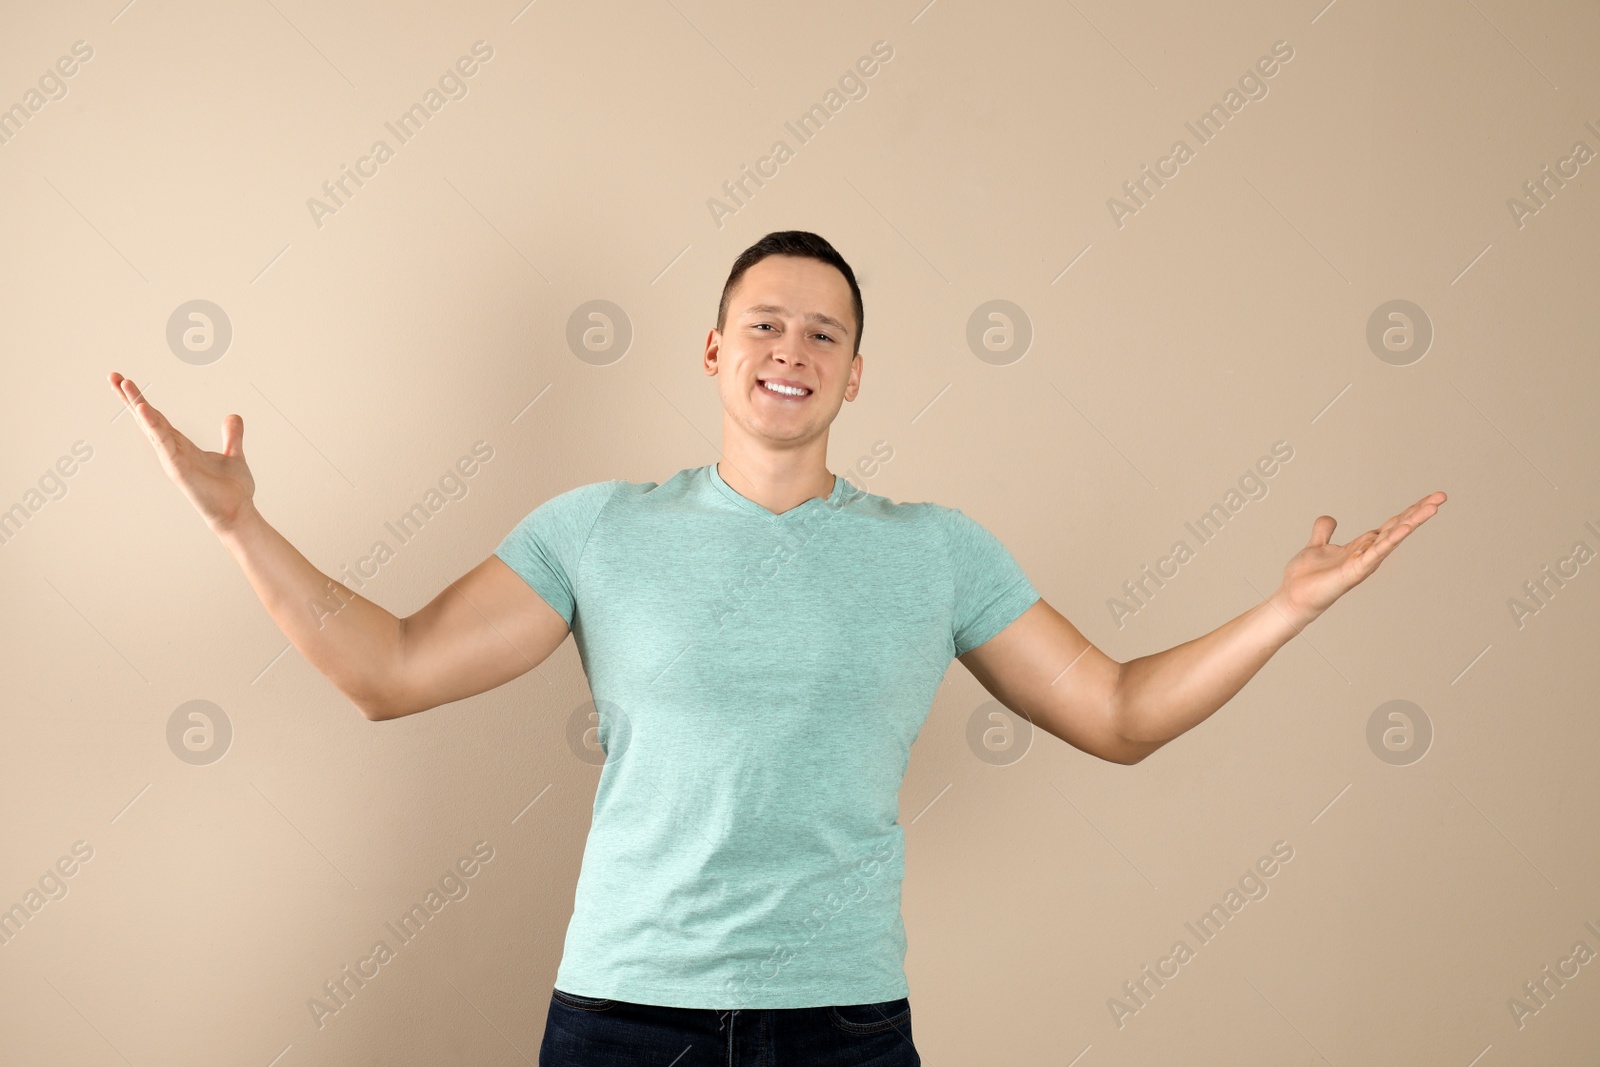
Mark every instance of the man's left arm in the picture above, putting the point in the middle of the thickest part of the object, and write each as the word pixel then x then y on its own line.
pixel 1043 668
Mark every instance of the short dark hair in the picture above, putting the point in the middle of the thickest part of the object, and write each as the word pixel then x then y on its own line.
pixel 792 243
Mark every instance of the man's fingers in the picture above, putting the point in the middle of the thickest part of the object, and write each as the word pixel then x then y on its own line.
pixel 1393 522
pixel 130 391
pixel 1412 516
pixel 1372 546
pixel 1415 515
pixel 1385 544
pixel 1404 516
pixel 162 434
pixel 133 398
pixel 170 442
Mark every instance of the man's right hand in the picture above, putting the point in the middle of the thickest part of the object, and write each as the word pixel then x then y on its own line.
pixel 218 484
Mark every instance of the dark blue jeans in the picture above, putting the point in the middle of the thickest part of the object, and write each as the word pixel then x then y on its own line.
pixel 587 1032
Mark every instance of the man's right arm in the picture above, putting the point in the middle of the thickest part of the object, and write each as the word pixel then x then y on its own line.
pixel 485 629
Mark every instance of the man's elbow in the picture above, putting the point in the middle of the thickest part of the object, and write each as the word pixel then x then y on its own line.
pixel 1131 752
pixel 1122 756
pixel 1124 750
pixel 393 705
pixel 378 707
pixel 372 711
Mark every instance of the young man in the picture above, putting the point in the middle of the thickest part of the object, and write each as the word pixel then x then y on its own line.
pixel 763 641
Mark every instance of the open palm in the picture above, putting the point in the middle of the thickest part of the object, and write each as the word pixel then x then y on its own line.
pixel 1322 572
pixel 218 484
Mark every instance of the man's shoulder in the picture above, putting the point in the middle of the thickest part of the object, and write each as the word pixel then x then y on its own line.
pixel 619 496
pixel 675 486
pixel 610 487
pixel 863 499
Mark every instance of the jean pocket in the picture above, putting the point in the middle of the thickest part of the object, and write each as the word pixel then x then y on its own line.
pixel 573 1000
pixel 871 1018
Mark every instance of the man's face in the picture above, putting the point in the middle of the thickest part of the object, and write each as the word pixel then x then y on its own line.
pixel 790 320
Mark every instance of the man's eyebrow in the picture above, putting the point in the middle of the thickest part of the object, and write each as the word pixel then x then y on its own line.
pixel 815 316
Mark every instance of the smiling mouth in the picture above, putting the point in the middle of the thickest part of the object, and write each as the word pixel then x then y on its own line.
pixel 765 388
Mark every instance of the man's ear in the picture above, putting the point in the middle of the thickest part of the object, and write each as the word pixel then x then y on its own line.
pixel 854 388
pixel 708 362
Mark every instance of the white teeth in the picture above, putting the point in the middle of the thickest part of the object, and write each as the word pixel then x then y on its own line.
pixel 783 389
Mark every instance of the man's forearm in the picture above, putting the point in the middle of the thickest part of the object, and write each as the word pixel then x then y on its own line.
pixel 351 640
pixel 1168 693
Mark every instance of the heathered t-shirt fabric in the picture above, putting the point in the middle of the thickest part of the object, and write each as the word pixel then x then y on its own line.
pixel 759 679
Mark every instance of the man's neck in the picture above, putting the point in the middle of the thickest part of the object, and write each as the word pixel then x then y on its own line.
pixel 777 483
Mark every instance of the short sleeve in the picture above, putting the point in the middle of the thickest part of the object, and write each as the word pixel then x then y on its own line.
pixel 547 545
pixel 991 590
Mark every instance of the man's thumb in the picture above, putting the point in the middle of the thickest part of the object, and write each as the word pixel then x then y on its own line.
pixel 233 436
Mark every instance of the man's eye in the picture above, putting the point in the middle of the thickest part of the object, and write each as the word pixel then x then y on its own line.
pixel 759 325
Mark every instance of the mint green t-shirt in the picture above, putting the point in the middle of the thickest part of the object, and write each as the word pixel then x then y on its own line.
pixel 759 680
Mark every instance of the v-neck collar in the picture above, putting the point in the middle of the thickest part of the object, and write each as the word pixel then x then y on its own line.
pixel 744 502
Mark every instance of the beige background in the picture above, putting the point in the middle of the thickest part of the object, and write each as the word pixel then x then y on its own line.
pixel 429 312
